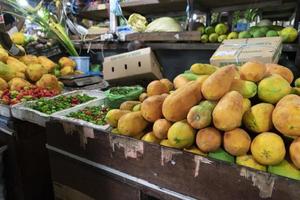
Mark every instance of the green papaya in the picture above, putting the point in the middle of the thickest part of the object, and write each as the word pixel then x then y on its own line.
pixel 247 89
pixel 200 116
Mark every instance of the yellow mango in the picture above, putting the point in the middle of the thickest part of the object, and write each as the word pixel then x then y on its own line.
pixel 273 88
pixel 132 124
pixel 268 148
pixel 112 117
pixel 18 65
pixel 203 69
pixel 259 118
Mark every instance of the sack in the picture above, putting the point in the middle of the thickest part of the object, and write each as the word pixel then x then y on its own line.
pixel 117 95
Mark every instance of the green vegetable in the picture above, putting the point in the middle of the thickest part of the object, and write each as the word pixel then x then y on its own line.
pixel 164 24
pixel 95 114
pixel 50 106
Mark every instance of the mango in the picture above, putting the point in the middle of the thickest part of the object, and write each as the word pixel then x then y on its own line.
pixel 112 117
pixel 259 118
pixel 137 107
pixel 295 152
pixel 253 71
pixel 143 96
pixel 65 61
pixel 200 116
pixel 156 88
pixel 47 63
pixel 248 161
pixel 151 108
pixel 167 83
pixel 177 105
pixel 284 72
pixel 181 135
pixel 237 142
pixel 132 124
pixel 29 59
pixel 15 63
pixel 3 55
pixel 203 69
pixel 18 84
pixel 285 169
pixel 160 128
pixel 247 89
pixel 195 150
pixel 34 72
pixel 3 84
pixel 286 115
pixel 218 84
pixel 128 105
pixel 208 139
pixel 150 137
pixel 220 154
pixel 49 81
pixel 179 81
pixel 67 70
pixel 297 82
pixel 6 72
pixel 273 88
pixel 228 113
pixel 268 148
pixel 246 105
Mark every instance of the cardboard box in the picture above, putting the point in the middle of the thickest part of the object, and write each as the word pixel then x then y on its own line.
pixel 132 66
pixel 239 51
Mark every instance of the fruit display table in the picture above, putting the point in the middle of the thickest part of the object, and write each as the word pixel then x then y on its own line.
pixel 101 165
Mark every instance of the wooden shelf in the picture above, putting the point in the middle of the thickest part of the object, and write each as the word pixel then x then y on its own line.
pixel 97 11
pixel 168 45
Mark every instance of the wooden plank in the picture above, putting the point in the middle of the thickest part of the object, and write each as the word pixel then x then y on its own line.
pixel 168 45
pixel 165 36
pixel 183 172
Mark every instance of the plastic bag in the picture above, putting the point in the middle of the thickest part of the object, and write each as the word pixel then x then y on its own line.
pixel 117 95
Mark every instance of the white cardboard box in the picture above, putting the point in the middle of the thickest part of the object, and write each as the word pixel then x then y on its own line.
pixel 135 65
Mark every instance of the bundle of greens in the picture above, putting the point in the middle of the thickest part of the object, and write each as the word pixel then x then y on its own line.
pixel 45 19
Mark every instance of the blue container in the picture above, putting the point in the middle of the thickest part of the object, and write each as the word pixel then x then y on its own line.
pixel 82 63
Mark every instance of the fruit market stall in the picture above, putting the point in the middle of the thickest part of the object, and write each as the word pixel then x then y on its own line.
pixel 205 112
pixel 221 132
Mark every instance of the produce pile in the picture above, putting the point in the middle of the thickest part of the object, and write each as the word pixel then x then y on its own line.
pixel 221 32
pixel 31 77
pixel 95 114
pixel 25 94
pixel 247 114
pixel 50 106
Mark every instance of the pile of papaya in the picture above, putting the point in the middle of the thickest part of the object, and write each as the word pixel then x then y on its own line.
pixel 248 114
pixel 26 72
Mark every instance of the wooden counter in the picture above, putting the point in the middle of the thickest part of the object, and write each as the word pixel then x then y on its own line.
pixel 85 159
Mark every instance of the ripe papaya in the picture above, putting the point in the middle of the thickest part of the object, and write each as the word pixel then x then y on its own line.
pixel 200 116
